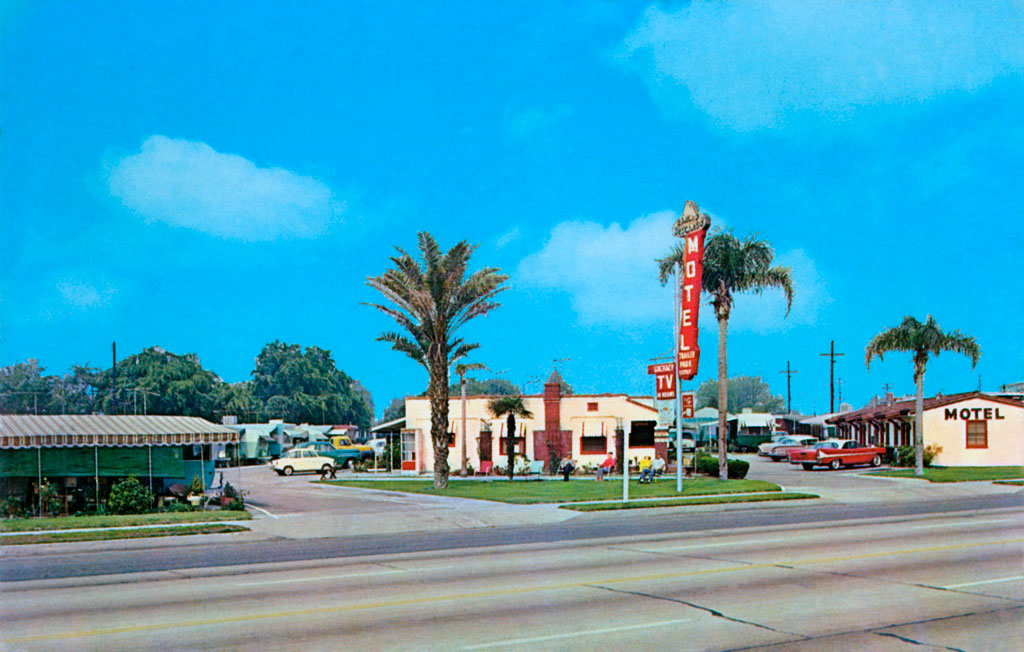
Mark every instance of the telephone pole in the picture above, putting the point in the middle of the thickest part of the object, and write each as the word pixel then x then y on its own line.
pixel 832 375
pixel 789 374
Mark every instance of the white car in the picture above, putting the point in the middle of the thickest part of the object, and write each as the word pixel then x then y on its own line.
pixel 302 460
pixel 377 445
pixel 779 450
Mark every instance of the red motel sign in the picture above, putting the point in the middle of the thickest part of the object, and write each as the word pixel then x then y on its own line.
pixel 692 226
pixel 665 378
pixel 687 411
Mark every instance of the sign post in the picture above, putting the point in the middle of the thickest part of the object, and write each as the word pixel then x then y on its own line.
pixel 692 226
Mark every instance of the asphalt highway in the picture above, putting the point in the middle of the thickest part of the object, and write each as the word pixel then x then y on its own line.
pixel 886 578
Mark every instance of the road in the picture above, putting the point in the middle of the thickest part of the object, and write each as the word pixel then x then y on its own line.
pixel 946 581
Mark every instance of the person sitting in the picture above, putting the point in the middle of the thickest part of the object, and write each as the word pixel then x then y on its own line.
pixel 646 473
pixel 657 467
pixel 607 466
pixel 567 467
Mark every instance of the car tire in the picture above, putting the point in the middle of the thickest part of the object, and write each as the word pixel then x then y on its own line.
pixel 808 467
pixel 287 470
pixel 876 460
pixel 347 464
pixel 835 464
pixel 279 472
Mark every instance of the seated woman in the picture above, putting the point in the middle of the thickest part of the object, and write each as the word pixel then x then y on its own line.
pixel 646 473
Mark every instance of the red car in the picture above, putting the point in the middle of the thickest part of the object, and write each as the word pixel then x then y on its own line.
pixel 836 453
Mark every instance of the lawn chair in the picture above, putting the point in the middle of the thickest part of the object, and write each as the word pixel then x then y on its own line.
pixel 486 467
pixel 536 469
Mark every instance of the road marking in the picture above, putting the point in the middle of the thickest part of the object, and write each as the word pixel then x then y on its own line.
pixel 261 510
pixel 962 523
pixel 1001 579
pixel 321 578
pixel 593 632
pixel 733 543
pixel 476 595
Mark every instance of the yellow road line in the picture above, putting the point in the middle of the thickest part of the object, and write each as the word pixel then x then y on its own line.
pixel 205 622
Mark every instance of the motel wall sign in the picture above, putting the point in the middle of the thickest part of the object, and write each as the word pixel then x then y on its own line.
pixel 692 226
pixel 973 414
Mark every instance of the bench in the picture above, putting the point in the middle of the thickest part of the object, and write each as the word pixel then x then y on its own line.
pixel 534 470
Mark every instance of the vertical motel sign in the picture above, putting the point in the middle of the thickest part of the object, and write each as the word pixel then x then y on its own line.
pixel 692 226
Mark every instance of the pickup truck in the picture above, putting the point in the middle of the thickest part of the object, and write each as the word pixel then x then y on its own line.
pixel 343 458
pixel 342 443
pixel 836 453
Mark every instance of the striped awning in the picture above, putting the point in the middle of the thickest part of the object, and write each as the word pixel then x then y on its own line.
pixel 29 431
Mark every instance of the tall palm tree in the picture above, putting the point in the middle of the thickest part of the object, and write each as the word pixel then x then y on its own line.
pixel 731 265
pixel 509 407
pixel 432 298
pixel 922 341
pixel 461 370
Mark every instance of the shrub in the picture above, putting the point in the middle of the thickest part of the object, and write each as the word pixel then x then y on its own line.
pixel 12 507
pixel 197 486
pixel 236 505
pixel 178 507
pixel 229 491
pixel 708 465
pixel 130 497
pixel 52 503
pixel 930 451
pixel 905 455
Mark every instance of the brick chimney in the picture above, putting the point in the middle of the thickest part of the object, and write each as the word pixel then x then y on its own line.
pixel 553 410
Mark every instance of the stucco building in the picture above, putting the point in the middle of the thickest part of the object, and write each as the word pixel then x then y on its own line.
pixel 584 426
pixel 972 429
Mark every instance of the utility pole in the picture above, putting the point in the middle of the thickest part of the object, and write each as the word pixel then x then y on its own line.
pixel 839 384
pixel 789 374
pixel 113 379
pixel 832 375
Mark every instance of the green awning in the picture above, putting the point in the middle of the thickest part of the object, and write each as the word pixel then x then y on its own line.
pixel 81 461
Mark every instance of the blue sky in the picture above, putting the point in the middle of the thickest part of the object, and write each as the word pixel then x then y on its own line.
pixel 209 177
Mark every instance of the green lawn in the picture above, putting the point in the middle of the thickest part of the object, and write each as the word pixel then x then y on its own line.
pixel 959 473
pixel 115 521
pixel 676 502
pixel 556 491
pixel 114 533
pixel 1016 483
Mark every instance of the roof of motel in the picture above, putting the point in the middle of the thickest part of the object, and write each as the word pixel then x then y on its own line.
pixel 905 408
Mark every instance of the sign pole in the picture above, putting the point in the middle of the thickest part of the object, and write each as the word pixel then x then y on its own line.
pixel 679 393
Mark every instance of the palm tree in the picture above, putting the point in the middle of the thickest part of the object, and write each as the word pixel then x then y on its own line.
pixel 509 407
pixel 432 298
pixel 461 370
pixel 921 340
pixel 731 265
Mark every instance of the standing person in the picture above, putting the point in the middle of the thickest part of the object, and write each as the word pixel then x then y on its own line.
pixel 566 467
pixel 606 466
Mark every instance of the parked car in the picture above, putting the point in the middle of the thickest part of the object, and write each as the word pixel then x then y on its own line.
pixel 302 460
pixel 779 450
pixel 343 458
pixel 378 444
pixel 342 443
pixel 837 453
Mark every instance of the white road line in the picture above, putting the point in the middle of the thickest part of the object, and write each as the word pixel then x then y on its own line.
pixel 717 545
pixel 321 578
pixel 979 583
pixel 963 523
pixel 253 507
pixel 555 637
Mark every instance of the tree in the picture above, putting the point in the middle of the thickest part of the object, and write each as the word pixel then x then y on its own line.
pixel 921 341
pixel 305 386
pixel 486 387
pixel 462 370
pixel 431 299
pixel 731 265
pixel 394 410
pixel 155 381
pixel 23 389
pixel 744 392
pixel 509 407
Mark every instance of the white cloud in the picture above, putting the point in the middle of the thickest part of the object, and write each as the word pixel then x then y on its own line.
pixel 751 65
pixel 610 276
pixel 84 295
pixel 509 237
pixel 189 184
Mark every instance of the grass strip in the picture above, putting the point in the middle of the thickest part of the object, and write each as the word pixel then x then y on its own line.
pixel 556 491
pixel 114 533
pixel 706 500
pixel 1016 483
pixel 958 473
pixel 121 520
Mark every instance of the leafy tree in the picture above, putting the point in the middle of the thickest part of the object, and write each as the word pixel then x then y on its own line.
pixel 921 341
pixel 744 392
pixel 394 410
pixel 486 387
pixel 731 265
pixel 156 381
pixel 23 389
pixel 237 399
pixel 130 497
pixel 509 407
pixel 430 300
pixel 305 386
pixel 73 393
